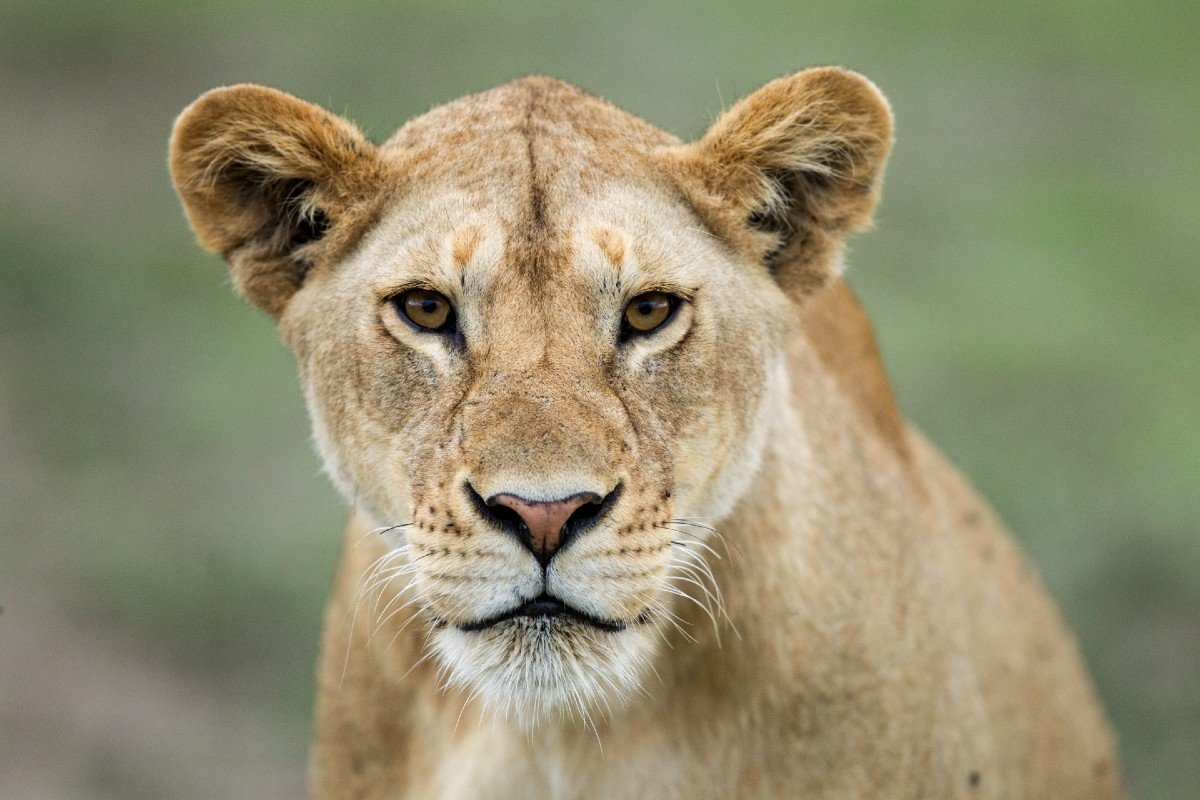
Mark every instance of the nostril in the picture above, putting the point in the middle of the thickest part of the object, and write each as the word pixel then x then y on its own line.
pixel 588 511
pixel 495 512
pixel 592 511
pixel 503 514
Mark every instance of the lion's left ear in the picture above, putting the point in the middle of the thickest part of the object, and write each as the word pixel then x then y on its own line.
pixel 789 172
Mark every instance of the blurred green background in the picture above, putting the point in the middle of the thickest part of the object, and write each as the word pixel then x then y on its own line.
pixel 167 539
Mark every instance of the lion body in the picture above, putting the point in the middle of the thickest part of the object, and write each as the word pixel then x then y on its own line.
pixel 806 600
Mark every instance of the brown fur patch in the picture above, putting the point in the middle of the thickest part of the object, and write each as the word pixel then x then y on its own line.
pixel 463 245
pixel 611 244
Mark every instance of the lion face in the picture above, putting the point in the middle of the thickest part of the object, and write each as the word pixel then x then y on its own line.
pixel 538 339
pixel 545 455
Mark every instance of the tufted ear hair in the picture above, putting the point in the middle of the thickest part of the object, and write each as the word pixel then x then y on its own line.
pixel 790 171
pixel 273 184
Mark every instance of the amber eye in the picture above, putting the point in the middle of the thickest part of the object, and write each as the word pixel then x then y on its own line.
pixel 649 311
pixel 425 309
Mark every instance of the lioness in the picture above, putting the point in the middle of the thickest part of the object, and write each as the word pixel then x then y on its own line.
pixel 634 512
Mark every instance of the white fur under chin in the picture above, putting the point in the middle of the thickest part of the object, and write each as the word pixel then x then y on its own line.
pixel 546 669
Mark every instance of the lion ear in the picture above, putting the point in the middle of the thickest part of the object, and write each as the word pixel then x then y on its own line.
pixel 272 183
pixel 792 170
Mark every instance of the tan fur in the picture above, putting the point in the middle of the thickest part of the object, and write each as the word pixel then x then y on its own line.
pixel 815 604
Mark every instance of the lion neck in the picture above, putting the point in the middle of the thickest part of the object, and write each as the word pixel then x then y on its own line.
pixel 812 552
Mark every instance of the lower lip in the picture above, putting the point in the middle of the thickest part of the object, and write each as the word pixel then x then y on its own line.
pixel 543 608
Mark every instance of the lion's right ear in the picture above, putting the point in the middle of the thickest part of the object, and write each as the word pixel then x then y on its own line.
pixel 273 184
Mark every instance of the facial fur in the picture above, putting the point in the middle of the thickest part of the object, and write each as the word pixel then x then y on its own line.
pixel 540 213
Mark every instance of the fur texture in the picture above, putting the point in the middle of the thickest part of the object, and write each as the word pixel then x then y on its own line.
pixel 801 597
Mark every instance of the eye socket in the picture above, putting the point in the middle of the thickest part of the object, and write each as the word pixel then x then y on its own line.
pixel 427 309
pixel 649 311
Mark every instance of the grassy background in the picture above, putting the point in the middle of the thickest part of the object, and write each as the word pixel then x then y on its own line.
pixel 166 541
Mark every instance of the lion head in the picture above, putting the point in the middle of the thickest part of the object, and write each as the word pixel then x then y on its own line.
pixel 540 339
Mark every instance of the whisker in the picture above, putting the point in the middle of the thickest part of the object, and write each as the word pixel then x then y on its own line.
pixel 693 523
pixel 381 531
pixel 359 595
pixel 708 612
pixel 693 578
pixel 693 563
pixel 673 618
pixel 417 663
pixel 383 620
pixel 693 542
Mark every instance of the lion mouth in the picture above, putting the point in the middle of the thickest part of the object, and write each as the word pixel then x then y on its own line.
pixel 544 606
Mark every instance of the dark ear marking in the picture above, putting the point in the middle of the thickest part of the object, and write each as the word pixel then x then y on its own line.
pixel 287 218
pixel 775 219
pixel 306 222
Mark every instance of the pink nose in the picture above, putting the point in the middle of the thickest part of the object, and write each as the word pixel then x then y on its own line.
pixel 544 521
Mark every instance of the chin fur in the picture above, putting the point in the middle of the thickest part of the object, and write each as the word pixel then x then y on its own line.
pixel 533 671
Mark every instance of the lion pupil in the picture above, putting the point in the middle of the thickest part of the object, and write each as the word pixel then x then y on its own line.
pixel 429 305
pixel 646 308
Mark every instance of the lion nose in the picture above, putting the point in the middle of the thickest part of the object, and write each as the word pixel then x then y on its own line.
pixel 544 526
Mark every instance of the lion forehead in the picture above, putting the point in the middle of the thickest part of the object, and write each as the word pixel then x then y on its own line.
pixel 530 148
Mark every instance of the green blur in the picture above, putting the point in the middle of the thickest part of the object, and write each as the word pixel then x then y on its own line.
pixel 1033 276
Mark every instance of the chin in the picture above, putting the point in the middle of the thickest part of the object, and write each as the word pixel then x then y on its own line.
pixel 541 670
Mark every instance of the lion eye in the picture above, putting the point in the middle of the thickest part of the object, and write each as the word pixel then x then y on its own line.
pixel 649 311
pixel 426 309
